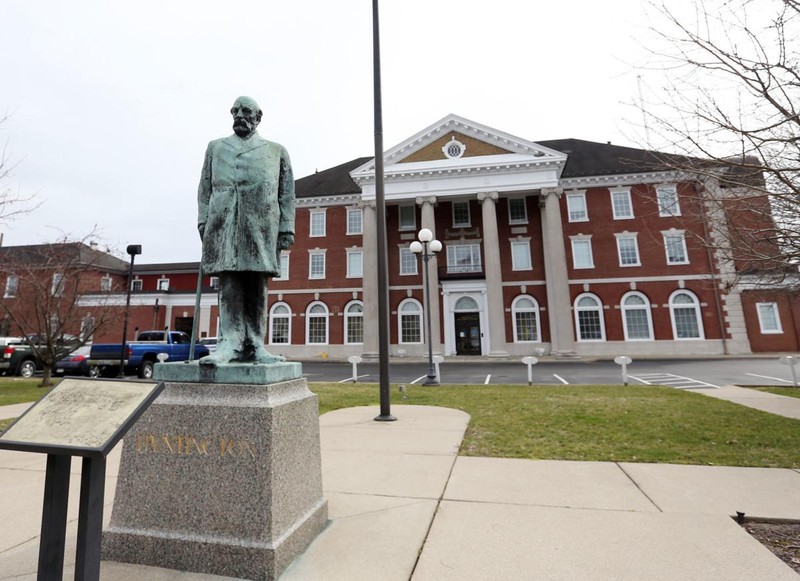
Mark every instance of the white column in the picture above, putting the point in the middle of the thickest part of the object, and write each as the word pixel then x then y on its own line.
pixel 559 313
pixel 369 282
pixel 429 222
pixel 494 277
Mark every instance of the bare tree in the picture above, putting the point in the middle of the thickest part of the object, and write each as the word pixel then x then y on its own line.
pixel 61 294
pixel 722 90
pixel 12 203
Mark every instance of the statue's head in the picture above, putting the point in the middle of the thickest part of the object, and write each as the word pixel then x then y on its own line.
pixel 246 116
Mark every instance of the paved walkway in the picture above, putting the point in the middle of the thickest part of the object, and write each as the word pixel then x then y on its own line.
pixel 404 506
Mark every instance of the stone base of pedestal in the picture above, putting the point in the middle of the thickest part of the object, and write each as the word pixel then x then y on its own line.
pixel 220 479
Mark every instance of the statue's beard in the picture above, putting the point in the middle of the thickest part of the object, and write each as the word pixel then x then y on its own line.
pixel 242 128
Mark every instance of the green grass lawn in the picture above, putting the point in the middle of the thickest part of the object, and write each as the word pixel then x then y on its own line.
pixel 788 391
pixel 603 423
pixel 19 390
pixel 589 422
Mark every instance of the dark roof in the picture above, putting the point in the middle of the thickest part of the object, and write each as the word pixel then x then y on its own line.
pixel 166 267
pixel 589 158
pixel 584 159
pixel 335 180
pixel 46 255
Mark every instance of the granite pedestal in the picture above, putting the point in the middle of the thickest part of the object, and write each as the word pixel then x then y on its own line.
pixel 221 478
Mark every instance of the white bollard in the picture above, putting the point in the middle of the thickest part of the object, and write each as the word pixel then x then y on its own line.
pixel 437 359
pixel 791 361
pixel 530 361
pixel 624 361
pixel 355 360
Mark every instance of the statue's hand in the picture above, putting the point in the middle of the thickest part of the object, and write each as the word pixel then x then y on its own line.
pixel 285 240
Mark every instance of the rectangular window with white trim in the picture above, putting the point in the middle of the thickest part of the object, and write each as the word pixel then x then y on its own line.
pixel 355 221
pixel 463 258
pixel 408 217
pixel 576 207
pixel 57 286
pixel 517 211
pixel 769 319
pixel 627 249
pixel 12 286
pixel 408 261
pixel 316 265
pixel 461 217
pixel 621 205
pixel 668 204
pixel 582 252
pixel 355 264
pixel 675 247
pixel 317 219
pixel 521 255
pixel 284 274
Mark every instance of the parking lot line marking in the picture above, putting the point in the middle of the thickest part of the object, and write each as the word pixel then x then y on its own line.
pixel 768 377
pixel 488 377
pixel 419 379
pixel 672 380
pixel 561 379
pixel 350 379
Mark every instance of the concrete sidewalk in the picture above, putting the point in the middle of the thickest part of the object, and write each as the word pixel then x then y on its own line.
pixel 404 506
pixel 780 405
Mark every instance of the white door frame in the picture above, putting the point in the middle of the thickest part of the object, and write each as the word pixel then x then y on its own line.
pixel 451 292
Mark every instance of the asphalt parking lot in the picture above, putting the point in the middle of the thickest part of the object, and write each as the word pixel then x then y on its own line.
pixel 681 374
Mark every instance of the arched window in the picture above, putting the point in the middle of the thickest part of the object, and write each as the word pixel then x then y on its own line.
pixel 525 311
pixel 589 318
pixel 280 324
pixel 317 324
pixel 637 320
pixel 409 316
pixel 466 304
pixel 354 323
pixel 684 310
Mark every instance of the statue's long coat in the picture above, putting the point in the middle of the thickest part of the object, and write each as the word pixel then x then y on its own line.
pixel 245 198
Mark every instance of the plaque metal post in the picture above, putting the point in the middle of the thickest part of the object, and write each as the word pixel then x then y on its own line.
pixel 54 518
pixel 90 519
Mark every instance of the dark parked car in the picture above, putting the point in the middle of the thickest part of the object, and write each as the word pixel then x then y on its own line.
pixel 76 363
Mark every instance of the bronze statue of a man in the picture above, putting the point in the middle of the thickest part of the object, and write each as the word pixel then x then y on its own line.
pixel 245 218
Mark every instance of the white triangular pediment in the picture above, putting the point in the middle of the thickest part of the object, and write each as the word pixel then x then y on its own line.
pixel 454 123
pixel 487 151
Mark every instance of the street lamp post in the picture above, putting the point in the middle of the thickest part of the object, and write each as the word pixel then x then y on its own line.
pixel 427 248
pixel 133 250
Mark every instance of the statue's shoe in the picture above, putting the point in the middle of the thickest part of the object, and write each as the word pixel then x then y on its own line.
pixel 264 357
pixel 219 357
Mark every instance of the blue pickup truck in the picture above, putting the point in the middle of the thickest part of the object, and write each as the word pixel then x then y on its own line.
pixel 141 355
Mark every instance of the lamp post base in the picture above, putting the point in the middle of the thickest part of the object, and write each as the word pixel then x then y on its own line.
pixel 385 418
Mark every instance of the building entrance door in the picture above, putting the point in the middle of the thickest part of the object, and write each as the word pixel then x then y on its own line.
pixel 184 324
pixel 468 333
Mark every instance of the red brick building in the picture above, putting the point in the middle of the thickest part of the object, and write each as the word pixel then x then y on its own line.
pixel 563 247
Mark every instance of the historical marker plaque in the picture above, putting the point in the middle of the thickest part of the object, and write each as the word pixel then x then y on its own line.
pixel 81 417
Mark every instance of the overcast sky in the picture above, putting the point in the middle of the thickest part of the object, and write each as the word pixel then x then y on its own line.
pixel 112 104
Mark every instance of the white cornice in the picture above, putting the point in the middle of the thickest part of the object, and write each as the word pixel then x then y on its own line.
pixel 330 200
pixel 628 179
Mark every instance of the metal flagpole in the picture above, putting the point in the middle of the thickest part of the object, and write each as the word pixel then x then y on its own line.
pixel 380 211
